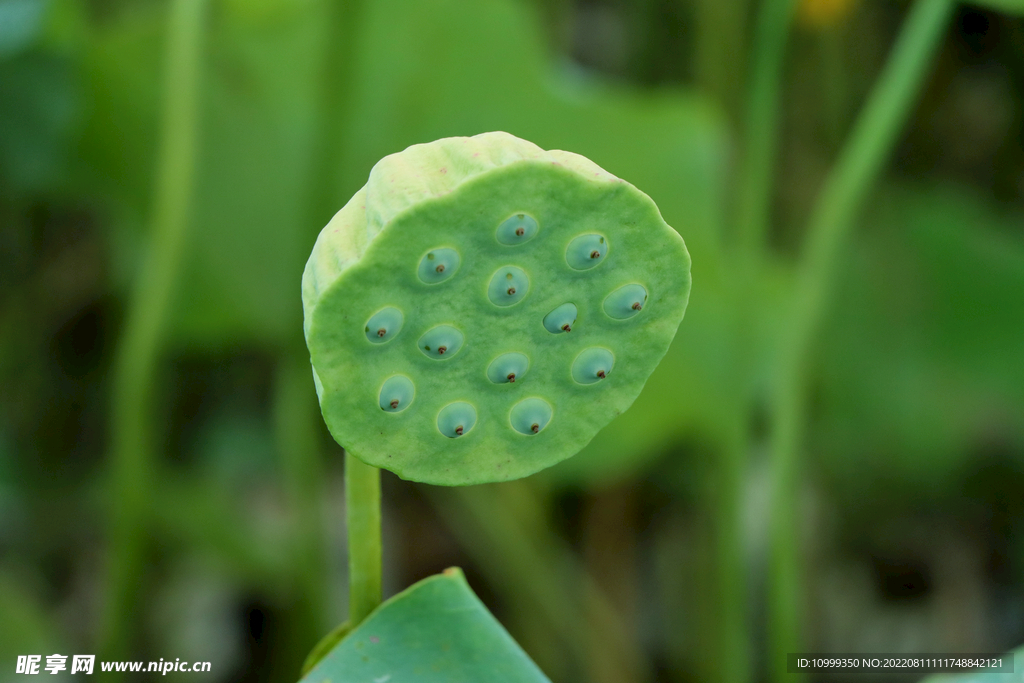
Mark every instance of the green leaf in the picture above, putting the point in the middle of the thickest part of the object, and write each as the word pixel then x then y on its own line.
pixel 436 631
pixel 1014 677
pixel 326 644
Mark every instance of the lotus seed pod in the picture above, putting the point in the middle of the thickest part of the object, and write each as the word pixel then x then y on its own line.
pixel 481 308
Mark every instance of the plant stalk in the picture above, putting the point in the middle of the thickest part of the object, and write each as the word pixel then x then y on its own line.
pixel 858 166
pixel 133 447
pixel 733 643
pixel 761 122
pixel 362 514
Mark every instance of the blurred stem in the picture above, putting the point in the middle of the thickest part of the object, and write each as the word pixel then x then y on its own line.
pixel 733 636
pixel 295 414
pixel 337 74
pixel 556 17
pixel 830 44
pixel 362 513
pixel 639 16
pixel 719 48
pixel 761 122
pixel 135 366
pixel 859 164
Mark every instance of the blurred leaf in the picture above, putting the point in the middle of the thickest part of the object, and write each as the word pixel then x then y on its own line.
pixel 1004 6
pixel 38 103
pixel 200 516
pixel 24 626
pixel 248 247
pixel 121 63
pixel 922 355
pixel 1014 677
pixel 435 631
pixel 20 24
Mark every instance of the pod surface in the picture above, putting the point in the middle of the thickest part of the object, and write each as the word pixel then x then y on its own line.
pixel 462 195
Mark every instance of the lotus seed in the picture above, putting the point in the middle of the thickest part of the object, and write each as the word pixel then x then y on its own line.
pixel 396 394
pixel 561 319
pixel 443 340
pixel 518 229
pixel 384 325
pixel 530 415
pixel 586 251
pixel 625 302
pixel 456 419
pixel 592 365
pixel 438 265
pixel 508 367
pixel 515 286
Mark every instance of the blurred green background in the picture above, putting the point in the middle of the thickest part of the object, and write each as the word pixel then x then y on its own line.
pixel 179 496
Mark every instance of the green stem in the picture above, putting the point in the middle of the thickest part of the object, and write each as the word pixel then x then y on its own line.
pixel 362 508
pixel 733 634
pixel 859 164
pixel 135 366
pixel 333 109
pixel 754 188
pixel 760 139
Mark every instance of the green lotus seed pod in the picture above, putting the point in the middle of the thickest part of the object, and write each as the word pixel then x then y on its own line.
pixel 447 284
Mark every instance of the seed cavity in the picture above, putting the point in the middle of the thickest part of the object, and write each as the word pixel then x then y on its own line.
pixel 508 367
pixel 384 325
pixel 396 394
pixel 443 341
pixel 438 265
pixel 625 302
pixel 517 229
pixel 586 251
pixel 456 419
pixel 592 365
pixel 509 285
pixel 561 319
pixel 530 416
